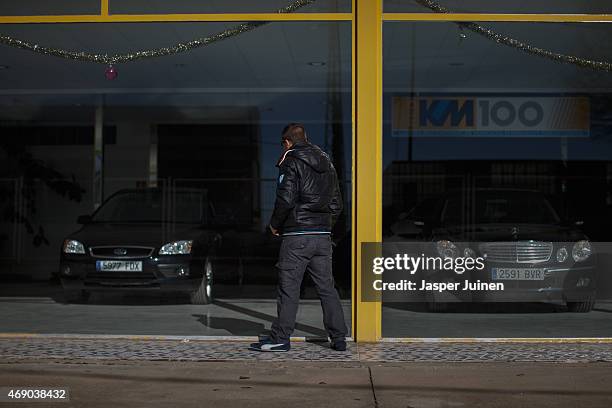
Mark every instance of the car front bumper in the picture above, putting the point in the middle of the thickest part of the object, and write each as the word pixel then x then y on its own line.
pixel 164 273
pixel 567 284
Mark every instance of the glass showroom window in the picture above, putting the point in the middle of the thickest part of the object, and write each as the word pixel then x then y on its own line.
pixel 497 145
pixel 151 183
pixel 505 6
pixel 227 6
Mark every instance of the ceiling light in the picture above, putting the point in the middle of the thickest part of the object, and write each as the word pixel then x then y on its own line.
pixel 317 64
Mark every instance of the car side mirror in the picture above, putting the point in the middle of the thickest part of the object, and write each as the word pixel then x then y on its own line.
pixel 84 219
pixel 407 227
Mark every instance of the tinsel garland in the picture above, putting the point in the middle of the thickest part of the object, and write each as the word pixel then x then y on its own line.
pixel 133 56
pixel 511 42
pixel 245 27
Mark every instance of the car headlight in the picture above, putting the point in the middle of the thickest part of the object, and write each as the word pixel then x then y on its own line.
pixel 469 253
pixel 447 249
pixel 73 247
pixel 581 250
pixel 562 254
pixel 176 248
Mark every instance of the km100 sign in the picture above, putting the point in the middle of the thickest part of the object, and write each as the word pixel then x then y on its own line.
pixel 490 116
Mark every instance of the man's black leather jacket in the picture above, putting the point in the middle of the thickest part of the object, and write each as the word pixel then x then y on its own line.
pixel 307 196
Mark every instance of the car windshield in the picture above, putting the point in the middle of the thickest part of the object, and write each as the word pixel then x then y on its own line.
pixel 500 207
pixel 152 206
pixel 423 210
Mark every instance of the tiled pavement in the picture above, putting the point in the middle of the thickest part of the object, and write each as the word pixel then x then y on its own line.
pixel 15 348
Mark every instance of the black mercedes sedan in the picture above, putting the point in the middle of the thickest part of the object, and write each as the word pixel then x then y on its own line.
pixel 525 244
pixel 143 239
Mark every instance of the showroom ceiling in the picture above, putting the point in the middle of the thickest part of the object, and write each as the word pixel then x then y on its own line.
pixel 296 57
pixel 271 56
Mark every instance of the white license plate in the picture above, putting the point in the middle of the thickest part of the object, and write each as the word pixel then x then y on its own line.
pixel 121 266
pixel 517 273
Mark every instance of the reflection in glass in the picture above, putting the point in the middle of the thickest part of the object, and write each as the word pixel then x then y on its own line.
pixel 510 154
pixel 187 163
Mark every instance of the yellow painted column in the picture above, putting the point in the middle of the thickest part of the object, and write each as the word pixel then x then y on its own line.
pixel 367 155
pixel 104 7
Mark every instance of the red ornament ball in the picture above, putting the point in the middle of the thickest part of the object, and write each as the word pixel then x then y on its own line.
pixel 111 73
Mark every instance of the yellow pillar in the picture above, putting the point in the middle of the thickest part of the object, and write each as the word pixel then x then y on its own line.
pixel 104 7
pixel 367 154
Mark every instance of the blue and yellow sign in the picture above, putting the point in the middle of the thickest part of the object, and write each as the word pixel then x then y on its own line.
pixel 490 116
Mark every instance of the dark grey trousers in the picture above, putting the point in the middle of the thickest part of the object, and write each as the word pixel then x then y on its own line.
pixel 312 253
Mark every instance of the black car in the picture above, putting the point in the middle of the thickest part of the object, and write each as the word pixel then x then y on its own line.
pixel 525 244
pixel 143 239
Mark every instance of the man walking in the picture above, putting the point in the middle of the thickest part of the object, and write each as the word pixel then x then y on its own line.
pixel 308 203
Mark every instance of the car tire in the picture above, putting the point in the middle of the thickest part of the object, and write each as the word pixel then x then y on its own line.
pixel 76 296
pixel 581 307
pixel 203 294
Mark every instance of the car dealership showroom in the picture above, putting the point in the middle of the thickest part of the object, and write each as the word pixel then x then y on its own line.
pixel 136 191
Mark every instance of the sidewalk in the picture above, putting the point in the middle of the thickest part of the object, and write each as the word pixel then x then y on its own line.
pixel 271 384
pixel 149 372
pixel 143 348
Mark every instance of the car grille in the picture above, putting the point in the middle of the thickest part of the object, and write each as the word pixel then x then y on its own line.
pixel 517 252
pixel 113 278
pixel 120 252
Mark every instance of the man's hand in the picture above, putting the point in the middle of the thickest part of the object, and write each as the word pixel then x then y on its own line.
pixel 274 231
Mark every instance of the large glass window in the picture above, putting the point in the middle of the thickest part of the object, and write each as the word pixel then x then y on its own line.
pixel 67 7
pixel 506 6
pixel 136 201
pixel 56 7
pixel 226 6
pixel 497 144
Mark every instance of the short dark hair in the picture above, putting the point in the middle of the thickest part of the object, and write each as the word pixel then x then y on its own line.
pixel 294 132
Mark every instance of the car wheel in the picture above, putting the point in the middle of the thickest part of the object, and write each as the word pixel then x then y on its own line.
pixel 203 295
pixel 76 296
pixel 581 307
